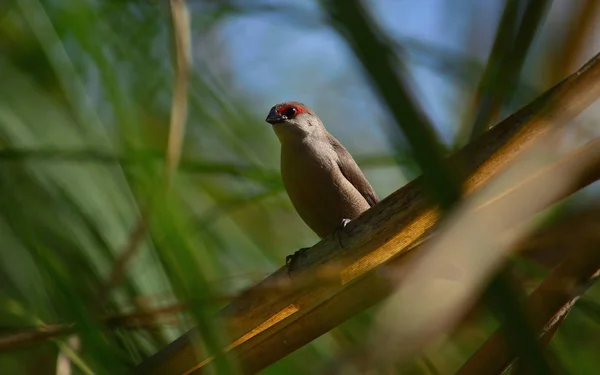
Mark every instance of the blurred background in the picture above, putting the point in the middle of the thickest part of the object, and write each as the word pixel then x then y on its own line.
pixel 85 100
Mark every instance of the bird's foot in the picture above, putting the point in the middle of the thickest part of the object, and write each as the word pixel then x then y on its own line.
pixel 341 229
pixel 290 260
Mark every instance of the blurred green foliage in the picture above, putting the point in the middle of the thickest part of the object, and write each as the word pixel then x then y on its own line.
pixel 85 99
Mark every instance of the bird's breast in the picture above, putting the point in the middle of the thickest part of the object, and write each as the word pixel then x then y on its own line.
pixel 320 193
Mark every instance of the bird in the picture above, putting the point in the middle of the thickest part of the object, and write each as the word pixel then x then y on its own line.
pixel 322 180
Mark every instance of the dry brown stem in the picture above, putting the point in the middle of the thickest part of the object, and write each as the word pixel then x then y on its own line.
pixel 274 318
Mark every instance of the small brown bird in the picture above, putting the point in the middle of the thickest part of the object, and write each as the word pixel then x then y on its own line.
pixel 323 181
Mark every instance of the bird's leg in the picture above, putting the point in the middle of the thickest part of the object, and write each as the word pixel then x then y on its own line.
pixel 291 259
pixel 341 229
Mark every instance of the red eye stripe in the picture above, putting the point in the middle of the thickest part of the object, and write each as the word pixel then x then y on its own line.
pixel 283 109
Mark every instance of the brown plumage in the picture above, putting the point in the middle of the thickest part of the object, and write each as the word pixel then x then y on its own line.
pixel 320 176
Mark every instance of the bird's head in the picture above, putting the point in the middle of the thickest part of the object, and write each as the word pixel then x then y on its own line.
pixel 293 120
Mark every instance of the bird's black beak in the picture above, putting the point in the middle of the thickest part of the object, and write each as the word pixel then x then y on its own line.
pixel 274 117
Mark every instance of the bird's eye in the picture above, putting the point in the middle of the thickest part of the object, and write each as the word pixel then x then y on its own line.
pixel 290 112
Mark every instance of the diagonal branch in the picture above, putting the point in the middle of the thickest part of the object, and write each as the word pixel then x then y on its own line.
pixel 279 315
pixel 547 306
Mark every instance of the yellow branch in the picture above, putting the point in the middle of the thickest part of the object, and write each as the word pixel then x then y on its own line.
pixel 330 284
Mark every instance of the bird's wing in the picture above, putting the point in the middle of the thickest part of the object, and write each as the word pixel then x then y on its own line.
pixel 352 172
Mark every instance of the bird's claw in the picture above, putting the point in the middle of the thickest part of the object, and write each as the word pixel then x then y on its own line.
pixel 340 229
pixel 291 259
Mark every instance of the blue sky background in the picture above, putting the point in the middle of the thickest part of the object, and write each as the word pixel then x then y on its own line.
pixel 272 56
pixel 275 57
